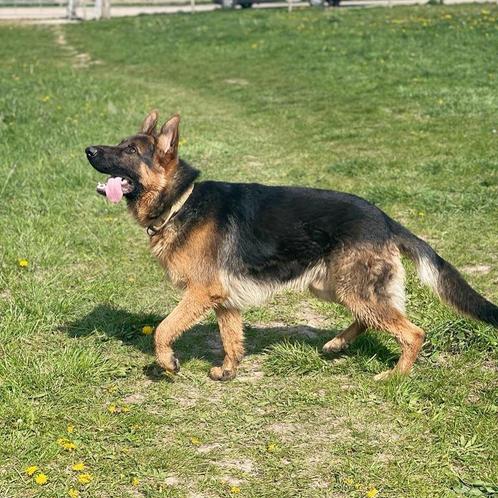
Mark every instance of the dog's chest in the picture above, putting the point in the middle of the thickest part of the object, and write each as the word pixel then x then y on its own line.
pixel 163 248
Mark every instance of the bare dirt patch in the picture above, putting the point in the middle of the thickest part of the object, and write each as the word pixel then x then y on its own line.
pixel 477 269
pixel 250 371
pixel 244 465
pixel 236 81
pixel 172 481
pixel 134 399
pixel 207 448
pixel 285 428
pixel 311 317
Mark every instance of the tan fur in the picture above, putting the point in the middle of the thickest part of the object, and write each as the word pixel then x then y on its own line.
pixel 231 331
pixel 196 302
pixel 370 282
pixel 341 341
pixel 149 124
pixel 191 261
pixel 367 279
pixel 369 275
pixel 190 266
pixel 156 181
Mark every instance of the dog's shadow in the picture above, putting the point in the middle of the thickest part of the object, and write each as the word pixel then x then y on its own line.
pixel 203 341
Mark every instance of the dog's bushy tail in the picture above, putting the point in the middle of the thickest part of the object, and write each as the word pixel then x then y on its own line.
pixel 443 278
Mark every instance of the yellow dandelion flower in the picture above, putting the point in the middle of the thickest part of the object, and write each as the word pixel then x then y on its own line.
pixel 147 330
pixel 79 466
pixel 73 493
pixel 85 478
pixel 235 490
pixel 254 45
pixel 41 479
pixel 66 444
pixel 182 141
pixel 271 447
pixel 23 263
pixel 372 493
pixel 45 98
pixel 195 441
pixel 70 429
pixel 112 408
pixel 31 470
pixel 135 481
pixel 125 409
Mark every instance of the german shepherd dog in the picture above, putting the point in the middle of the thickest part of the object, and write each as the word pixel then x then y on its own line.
pixel 233 245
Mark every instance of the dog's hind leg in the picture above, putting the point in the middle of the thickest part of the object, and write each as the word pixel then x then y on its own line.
pixel 409 337
pixel 370 282
pixel 341 341
pixel 386 317
pixel 231 331
pixel 193 306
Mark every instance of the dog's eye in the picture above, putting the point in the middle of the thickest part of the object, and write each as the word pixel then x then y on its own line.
pixel 131 149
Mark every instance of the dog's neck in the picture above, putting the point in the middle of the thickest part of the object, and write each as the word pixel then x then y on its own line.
pixel 161 221
pixel 182 177
pixel 155 205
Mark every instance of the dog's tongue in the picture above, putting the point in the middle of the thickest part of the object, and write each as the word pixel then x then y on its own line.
pixel 113 190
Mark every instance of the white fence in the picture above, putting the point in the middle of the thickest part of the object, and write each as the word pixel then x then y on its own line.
pixel 58 10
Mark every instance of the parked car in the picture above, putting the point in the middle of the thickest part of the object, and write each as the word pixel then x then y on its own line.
pixel 245 4
pixel 231 4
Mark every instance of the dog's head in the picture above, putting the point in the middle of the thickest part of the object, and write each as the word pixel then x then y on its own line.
pixel 140 163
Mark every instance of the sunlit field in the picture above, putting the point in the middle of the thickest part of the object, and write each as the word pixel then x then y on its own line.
pixel 397 105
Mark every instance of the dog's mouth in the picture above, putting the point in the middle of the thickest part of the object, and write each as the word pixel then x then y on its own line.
pixel 115 188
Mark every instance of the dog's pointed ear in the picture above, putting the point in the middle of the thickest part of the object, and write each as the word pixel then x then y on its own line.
pixel 167 141
pixel 150 123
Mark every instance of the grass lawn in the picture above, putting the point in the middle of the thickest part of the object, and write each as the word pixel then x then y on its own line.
pixel 398 105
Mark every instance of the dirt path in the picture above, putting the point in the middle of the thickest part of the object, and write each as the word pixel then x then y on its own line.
pixel 80 59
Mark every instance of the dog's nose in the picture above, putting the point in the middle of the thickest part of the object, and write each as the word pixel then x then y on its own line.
pixel 91 151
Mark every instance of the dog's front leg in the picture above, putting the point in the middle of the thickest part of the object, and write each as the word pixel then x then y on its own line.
pixel 231 331
pixel 193 306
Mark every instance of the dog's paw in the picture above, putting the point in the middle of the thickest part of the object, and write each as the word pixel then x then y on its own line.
pixel 218 373
pixel 169 363
pixel 384 375
pixel 334 346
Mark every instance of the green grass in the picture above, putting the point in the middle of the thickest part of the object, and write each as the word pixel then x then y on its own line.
pixel 397 105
